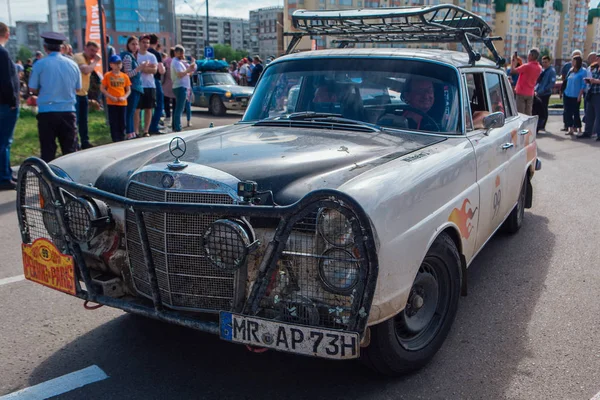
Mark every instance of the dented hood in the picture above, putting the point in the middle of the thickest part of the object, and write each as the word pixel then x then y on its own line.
pixel 288 161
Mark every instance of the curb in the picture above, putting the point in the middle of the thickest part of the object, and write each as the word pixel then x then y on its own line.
pixel 559 111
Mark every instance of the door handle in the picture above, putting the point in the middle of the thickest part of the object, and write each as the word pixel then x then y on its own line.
pixel 507 146
pixel 523 132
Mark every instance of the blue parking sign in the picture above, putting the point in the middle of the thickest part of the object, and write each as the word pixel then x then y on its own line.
pixel 209 52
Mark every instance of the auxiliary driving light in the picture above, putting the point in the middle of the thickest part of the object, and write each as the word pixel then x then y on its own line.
pixel 85 218
pixel 48 210
pixel 227 244
pixel 338 270
pixel 335 228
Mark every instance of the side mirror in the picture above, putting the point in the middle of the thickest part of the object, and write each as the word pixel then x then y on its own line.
pixel 494 120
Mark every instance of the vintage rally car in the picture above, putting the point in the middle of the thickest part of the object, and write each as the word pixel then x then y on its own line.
pixel 336 220
pixel 219 92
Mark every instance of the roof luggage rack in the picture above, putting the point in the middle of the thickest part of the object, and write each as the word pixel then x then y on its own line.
pixel 444 23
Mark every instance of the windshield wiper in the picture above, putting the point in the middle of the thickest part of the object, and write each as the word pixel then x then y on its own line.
pixel 310 115
pixel 340 120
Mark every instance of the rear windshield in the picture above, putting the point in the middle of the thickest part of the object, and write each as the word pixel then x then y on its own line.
pixel 395 93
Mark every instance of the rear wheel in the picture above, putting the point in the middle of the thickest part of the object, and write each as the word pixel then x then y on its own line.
pixel 216 106
pixel 409 341
pixel 515 220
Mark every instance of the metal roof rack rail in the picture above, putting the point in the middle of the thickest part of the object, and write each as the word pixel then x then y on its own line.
pixel 444 23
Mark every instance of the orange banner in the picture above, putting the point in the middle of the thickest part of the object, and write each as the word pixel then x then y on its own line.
pixel 92 28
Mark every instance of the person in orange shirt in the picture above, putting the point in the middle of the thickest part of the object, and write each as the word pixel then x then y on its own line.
pixel 116 86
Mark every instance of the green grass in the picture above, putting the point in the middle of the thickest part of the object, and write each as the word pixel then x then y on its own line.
pixel 556 100
pixel 26 142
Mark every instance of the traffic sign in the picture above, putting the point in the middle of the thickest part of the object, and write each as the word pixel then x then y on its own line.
pixel 209 52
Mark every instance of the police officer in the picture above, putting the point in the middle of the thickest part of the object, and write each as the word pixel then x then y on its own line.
pixel 55 79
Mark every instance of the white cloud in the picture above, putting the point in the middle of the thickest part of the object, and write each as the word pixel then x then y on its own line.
pixel 226 8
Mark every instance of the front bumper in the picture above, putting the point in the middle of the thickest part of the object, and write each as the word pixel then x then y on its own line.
pixel 235 103
pixel 253 303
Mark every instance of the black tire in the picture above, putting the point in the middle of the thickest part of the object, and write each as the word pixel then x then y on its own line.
pixel 216 107
pixel 515 219
pixel 395 349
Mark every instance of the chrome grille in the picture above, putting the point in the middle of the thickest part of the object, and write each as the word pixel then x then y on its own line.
pixel 185 277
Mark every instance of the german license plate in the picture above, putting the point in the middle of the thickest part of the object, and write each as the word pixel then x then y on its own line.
pixel 45 264
pixel 291 338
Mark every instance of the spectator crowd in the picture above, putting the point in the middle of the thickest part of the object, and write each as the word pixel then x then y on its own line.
pixel 143 91
pixel 534 83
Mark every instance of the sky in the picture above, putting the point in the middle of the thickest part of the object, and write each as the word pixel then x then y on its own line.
pixel 37 10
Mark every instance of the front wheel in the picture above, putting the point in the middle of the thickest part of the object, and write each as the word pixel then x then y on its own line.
pixel 216 107
pixel 408 341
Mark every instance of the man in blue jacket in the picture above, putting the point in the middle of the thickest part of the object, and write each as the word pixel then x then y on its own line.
pixel 55 79
pixel 9 109
pixel 543 90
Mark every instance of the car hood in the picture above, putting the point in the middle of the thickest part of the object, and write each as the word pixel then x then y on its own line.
pixel 234 89
pixel 288 161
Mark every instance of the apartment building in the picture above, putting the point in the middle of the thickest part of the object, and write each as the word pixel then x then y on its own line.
pixel 592 37
pixel 573 27
pixel 58 16
pixel 28 34
pixel 528 23
pixel 554 26
pixel 125 18
pixel 266 32
pixel 191 32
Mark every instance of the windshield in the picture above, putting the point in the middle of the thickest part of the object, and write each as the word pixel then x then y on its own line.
pixel 218 78
pixel 394 93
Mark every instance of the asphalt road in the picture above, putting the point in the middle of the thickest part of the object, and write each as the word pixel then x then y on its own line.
pixel 527 330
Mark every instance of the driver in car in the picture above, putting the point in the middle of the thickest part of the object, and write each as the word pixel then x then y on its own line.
pixel 419 94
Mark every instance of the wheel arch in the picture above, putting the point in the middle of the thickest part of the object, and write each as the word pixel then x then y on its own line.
pixel 454 233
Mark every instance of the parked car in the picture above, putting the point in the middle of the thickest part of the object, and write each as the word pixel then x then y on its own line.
pixel 337 219
pixel 219 92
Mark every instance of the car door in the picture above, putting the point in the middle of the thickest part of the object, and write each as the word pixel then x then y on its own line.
pixel 492 151
pixel 523 137
pixel 201 99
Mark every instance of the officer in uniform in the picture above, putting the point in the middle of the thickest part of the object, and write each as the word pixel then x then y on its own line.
pixel 55 79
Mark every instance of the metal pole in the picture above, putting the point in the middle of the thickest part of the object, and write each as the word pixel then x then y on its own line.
pixel 207 27
pixel 102 38
pixel 9 14
pixel 197 36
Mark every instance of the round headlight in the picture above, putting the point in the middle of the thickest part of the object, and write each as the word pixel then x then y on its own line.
pixel 85 218
pixel 338 270
pixel 79 214
pixel 228 94
pixel 335 227
pixel 226 244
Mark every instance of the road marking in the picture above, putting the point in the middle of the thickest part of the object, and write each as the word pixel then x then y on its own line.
pixel 596 397
pixel 60 385
pixel 13 279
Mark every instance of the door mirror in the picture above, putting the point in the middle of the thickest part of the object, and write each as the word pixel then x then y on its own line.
pixel 494 120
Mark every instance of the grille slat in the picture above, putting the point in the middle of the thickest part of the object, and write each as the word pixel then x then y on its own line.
pixel 185 277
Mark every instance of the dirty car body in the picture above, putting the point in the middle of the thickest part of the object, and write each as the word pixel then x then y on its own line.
pixel 337 219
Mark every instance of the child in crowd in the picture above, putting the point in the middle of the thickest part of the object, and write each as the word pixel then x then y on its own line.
pixel 116 86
